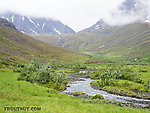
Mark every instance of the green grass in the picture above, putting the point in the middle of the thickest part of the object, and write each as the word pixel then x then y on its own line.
pixel 21 93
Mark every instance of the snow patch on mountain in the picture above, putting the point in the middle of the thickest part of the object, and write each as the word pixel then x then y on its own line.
pixel 148 21
pixel 135 5
pixel 12 19
pixel 23 18
pixel 6 18
pixel 33 31
pixel 97 27
pixel 32 22
pixel 43 25
pixel 22 31
pixel 57 31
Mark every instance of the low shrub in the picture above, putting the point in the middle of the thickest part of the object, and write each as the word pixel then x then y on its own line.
pixel 97 96
pixel 78 93
pixel 45 74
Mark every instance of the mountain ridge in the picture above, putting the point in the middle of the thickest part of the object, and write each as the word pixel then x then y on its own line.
pixel 36 25
pixel 6 23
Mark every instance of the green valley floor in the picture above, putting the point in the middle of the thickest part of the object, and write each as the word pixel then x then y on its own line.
pixel 15 93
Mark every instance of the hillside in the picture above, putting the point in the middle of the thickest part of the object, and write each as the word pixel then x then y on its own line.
pixel 128 41
pixel 6 23
pixel 46 38
pixel 125 42
pixel 18 47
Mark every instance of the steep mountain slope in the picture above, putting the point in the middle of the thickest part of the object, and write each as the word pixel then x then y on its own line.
pixel 98 25
pixel 53 40
pixel 47 38
pixel 6 23
pixel 35 25
pixel 128 41
pixel 18 47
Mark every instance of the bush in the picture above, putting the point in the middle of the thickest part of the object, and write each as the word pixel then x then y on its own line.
pixel 78 93
pixel 111 75
pixel 98 96
pixel 37 72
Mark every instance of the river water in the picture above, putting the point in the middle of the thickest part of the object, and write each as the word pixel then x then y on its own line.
pixel 85 87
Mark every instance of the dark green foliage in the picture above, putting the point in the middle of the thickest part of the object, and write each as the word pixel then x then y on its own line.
pixel 46 74
pixel 98 96
pixel 110 76
pixel 76 69
pixel 3 62
pixel 147 85
pixel 78 93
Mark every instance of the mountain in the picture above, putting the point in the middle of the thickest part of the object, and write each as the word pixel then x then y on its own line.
pixel 56 41
pixel 129 5
pixel 128 41
pixel 130 11
pixel 35 25
pixel 16 47
pixel 99 25
pixel 136 8
pixel 6 23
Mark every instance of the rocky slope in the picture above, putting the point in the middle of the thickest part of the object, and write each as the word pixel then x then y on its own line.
pixel 36 25
pixel 6 23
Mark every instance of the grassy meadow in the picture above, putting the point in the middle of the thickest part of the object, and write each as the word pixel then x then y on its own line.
pixel 22 93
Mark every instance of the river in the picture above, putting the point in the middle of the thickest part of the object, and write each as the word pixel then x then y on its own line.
pixel 84 86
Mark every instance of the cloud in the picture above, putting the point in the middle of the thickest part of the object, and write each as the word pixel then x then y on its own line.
pixel 128 12
pixel 77 14
pixel 80 14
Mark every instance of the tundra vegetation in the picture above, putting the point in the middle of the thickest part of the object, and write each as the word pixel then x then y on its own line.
pixel 37 83
pixel 124 79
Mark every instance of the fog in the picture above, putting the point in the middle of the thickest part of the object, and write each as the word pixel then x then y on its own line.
pixel 138 11
pixel 80 14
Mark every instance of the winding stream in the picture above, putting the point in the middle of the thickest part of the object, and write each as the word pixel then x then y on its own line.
pixel 85 87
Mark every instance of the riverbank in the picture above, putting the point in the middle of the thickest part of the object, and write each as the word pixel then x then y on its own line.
pixel 82 84
pixel 88 99
pixel 123 91
pixel 25 94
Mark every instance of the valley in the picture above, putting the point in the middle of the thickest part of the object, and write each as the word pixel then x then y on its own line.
pixel 100 69
pixel 125 42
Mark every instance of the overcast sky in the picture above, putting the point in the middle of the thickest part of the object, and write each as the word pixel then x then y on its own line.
pixel 77 14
